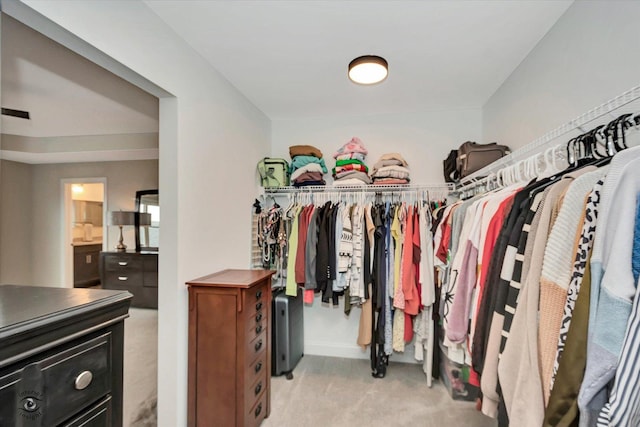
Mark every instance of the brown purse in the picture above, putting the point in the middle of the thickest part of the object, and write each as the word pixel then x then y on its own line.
pixel 473 156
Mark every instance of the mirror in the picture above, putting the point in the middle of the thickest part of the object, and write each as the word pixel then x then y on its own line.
pixel 147 237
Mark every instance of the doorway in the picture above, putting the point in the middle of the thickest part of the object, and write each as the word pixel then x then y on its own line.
pixel 84 229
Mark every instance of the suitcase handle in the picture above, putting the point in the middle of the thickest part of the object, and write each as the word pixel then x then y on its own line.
pixel 258 345
pixel 258 388
pixel 258 317
pixel 258 367
pixel 258 294
pixel 258 410
pixel 258 329
pixel 258 306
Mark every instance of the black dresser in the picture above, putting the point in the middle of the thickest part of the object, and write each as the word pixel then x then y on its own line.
pixel 61 354
pixel 136 272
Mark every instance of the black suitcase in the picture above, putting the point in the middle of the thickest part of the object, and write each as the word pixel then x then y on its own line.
pixel 288 333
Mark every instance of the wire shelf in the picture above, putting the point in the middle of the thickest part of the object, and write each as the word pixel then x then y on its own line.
pixel 537 145
pixel 373 188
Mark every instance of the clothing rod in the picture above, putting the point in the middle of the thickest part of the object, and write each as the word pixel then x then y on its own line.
pixel 541 143
pixel 358 188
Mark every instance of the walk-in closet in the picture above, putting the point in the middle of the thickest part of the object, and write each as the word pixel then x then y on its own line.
pixel 376 213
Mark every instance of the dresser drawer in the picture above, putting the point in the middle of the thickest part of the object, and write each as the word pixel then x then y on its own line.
pixel 257 367
pixel 256 346
pixel 255 299
pixel 256 324
pixel 254 390
pixel 99 415
pixel 125 279
pixel 122 263
pixel 59 385
pixel 258 411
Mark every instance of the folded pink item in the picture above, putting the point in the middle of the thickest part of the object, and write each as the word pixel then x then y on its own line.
pixel 355 145
pixel 390 181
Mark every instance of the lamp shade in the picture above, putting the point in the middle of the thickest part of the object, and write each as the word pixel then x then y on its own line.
pixel 123 218
pixel 368 70
pixel 145 219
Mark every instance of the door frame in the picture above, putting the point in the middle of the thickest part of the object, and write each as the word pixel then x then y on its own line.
pixel 66 227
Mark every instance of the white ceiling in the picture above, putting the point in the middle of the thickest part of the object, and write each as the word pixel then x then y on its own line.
pixel 65 94
pixel 290 58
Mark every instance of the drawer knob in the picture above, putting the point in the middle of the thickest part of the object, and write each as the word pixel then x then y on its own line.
pixel 258 329
pixel 258 345
pixel 83 380
pixel 258 388
pixel 258 410
pixel 258 367
pixel 122 263
pixel 123 278
pixel 258 294
pixel 258 306
pixel 258 317
pixel 30 404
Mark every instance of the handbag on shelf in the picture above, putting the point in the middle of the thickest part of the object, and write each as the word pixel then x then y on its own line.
pixel 449 167
pixel 273 172
pixel 473 156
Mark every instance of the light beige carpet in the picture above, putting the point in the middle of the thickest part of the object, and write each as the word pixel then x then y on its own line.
pixel 339 392
pixel 140 367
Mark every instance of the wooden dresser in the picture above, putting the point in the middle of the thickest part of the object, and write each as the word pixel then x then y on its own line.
pixel 230 348
pixel 136 272
pixel 61 354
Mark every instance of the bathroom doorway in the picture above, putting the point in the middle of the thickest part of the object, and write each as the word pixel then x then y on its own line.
pixel 85 230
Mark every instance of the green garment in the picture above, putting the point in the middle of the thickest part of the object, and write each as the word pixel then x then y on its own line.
pixel 349 162
pixel 562 410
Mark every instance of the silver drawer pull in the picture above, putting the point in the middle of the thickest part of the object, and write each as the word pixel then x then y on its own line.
pixel 83 380
pixel 122 263
pixel 123 278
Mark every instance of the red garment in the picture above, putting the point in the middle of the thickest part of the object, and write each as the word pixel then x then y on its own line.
pixel 417 253
pixel 445 225
pixel 408 279
pixel 492 236
pixel 308 296
pixel 408 328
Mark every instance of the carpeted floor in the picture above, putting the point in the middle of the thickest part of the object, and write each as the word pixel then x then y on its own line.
pixel 325 391
pixel 336 392
pixel 140 367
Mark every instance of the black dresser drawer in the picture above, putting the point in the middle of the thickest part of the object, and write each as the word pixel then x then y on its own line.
pixel 135 272
pixel 122 262
pixel 45 392
pixel 99 415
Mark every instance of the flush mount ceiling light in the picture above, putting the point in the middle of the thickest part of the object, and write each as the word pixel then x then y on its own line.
pixel 368 70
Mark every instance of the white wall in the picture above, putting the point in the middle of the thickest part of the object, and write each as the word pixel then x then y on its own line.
pixel 587 58
pixel 209 136
pixel 424 139
pixel 16 220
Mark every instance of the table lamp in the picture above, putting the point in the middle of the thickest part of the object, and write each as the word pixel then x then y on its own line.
pixel 122 218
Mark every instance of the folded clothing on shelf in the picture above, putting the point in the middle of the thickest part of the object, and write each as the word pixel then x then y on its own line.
pixel 351 156
pixel 307 165
pixel 353 175
pixel 355 145
pixel 391 169
pixel 304 150
pixel 395 171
